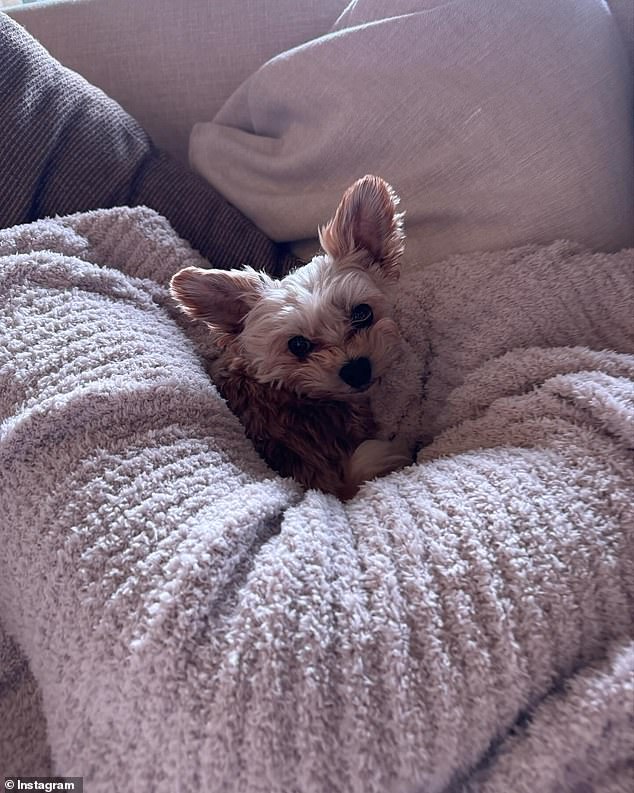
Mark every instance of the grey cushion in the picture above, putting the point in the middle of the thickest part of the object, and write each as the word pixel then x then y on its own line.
pixel 66 147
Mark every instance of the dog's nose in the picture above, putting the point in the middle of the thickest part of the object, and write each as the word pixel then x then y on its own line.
pixel 357 372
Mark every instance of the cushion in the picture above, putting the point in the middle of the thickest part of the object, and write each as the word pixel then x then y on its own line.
pixel 497 124
pixel 65 146
pixel 170 63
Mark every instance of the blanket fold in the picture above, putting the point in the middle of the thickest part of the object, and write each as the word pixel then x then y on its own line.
pixel 194 621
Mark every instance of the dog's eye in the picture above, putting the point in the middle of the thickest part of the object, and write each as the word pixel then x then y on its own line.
pixel 361 316
pixel 300 346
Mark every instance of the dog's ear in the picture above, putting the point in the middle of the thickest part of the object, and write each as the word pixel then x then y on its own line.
pixel 366 219
pixel 222 298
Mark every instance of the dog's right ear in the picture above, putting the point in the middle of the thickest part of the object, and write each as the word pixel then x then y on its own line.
pixel 367 219
pixel 222 298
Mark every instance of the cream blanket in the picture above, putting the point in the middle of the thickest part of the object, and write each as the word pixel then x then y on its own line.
pixel 194 622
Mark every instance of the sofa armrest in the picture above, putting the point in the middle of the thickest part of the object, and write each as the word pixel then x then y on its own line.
pixel 171 64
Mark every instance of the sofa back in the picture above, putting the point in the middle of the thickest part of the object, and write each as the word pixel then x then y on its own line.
pixel 171 64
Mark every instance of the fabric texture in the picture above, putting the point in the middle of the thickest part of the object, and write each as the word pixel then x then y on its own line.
pixel 623 12
pixel 196 622
pixel 497 124
pixel 65 147
pixel 24 746
pixel 170 64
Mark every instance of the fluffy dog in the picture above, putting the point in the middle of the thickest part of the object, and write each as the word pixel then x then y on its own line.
pixel 299 356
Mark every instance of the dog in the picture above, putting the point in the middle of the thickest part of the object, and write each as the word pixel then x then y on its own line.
pixel 298 357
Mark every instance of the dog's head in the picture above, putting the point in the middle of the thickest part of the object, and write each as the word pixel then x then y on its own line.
pixel 325 330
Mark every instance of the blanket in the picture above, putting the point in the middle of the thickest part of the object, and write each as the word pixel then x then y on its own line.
pixel 195 622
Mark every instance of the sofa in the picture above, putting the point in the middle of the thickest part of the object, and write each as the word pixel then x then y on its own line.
pixel 176 616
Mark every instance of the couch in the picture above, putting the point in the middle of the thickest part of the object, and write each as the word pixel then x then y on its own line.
pixel 175 615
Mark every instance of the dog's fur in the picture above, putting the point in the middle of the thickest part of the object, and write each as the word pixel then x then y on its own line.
pixel 303 417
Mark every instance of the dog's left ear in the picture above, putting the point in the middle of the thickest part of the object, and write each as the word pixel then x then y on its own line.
pixel 366 219
pixel 221 298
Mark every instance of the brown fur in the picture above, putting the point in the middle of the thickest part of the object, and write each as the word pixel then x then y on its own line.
pixel 311 440
pixel 303 415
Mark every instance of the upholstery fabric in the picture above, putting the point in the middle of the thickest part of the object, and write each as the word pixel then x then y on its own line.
pixel 498 124
pixel 171 63
pixel 65 146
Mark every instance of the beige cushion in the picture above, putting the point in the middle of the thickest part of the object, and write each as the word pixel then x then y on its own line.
pixel 170 63
pixel 498 124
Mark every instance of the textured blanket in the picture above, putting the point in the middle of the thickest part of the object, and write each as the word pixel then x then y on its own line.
pixel 194 622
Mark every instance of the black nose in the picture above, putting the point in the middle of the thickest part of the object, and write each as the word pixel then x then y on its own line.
pixel 357 372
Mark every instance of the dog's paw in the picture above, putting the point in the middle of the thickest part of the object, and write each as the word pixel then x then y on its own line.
pixel 376 458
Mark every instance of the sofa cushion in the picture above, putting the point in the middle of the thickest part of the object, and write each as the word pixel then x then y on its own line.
pixel 65 146
pixel 170 63
pixel 497 123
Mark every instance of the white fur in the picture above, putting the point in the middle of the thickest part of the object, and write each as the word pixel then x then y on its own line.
pixel 315 301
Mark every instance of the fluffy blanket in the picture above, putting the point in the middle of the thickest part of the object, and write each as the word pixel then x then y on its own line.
pixel 194 622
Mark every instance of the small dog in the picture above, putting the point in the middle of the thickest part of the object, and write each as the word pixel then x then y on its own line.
pixel 299 356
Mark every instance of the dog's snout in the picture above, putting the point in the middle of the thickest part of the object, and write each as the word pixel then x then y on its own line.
pixel 357 372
